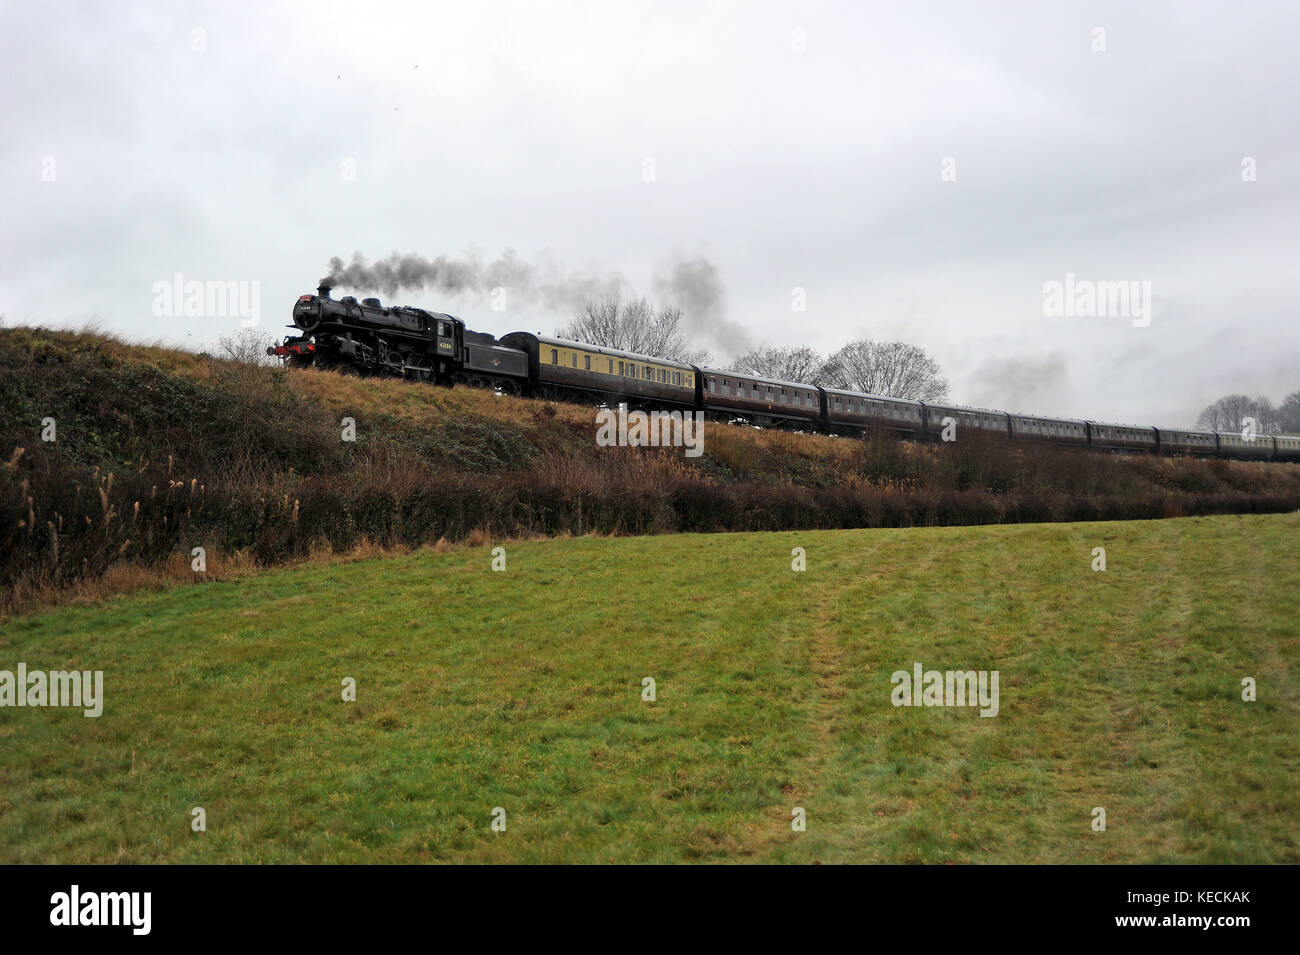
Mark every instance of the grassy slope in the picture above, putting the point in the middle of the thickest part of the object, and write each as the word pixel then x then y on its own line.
pixel 161 451
pixel 522 690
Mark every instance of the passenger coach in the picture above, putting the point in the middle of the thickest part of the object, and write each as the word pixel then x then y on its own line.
pixel 978 419
pixel 1122 436
pixel 1068 430
pixel 771 398
pixel 1259 446
pixel 860 410
pixel 604 371
pixel 1183 441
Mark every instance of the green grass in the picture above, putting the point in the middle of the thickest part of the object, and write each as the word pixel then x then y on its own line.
pixel 522 690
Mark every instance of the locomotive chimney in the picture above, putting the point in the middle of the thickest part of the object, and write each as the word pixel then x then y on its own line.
pixel 323 290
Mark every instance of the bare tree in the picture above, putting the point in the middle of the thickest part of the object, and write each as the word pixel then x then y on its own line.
pixel 633 325
pixel 1288 413
pixel 1230 411
pixel 801 364
pixel 887 368
pixel 246 346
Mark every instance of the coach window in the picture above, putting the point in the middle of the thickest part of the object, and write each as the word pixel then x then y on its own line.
pixel 555 357
pixel 574 357
pixel 587 359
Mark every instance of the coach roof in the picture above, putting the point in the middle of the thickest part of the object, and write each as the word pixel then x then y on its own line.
pixel 603 350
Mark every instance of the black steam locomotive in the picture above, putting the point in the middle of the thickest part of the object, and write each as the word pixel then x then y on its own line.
pixel 368 338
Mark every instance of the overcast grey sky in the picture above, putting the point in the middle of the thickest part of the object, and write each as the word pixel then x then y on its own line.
pixel 792 145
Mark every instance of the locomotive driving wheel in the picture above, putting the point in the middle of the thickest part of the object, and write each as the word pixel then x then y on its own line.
pixel 423 368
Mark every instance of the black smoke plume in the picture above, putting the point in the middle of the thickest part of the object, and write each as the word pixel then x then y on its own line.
pixel 690 284
pixel 541 284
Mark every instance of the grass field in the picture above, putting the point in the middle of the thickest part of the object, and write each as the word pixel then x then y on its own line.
pixel 522 690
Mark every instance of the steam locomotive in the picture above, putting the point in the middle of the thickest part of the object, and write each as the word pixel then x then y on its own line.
pixel 369 338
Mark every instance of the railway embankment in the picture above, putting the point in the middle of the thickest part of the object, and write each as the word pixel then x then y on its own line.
pixel 124 466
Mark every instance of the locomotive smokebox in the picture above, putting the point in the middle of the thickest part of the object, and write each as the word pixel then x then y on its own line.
pixel 323 290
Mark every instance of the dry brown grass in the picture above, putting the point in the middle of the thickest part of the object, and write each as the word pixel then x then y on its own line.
pixel 160 451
